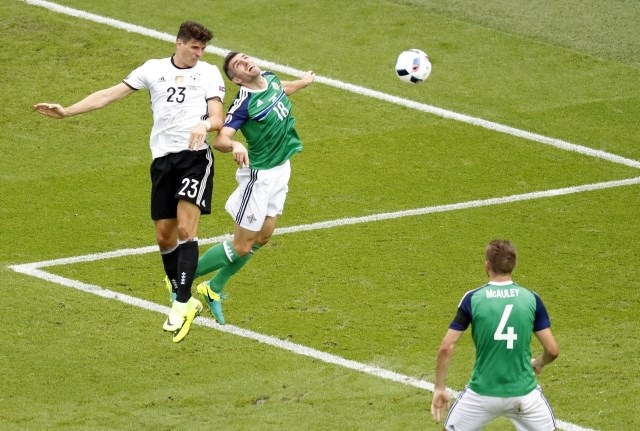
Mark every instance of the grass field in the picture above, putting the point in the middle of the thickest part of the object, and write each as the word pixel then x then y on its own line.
pixel 527 129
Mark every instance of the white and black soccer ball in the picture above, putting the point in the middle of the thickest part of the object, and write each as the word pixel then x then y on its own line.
pixel 413 66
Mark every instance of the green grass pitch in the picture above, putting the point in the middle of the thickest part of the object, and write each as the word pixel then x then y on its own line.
pixel 535 137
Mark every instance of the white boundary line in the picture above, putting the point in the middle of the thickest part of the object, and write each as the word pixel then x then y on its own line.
pixel 351 220
pixel 299 349
pixel 32 269
pixel 479 122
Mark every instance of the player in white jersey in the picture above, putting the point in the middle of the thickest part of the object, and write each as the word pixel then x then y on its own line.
pixel 504 315
pixel 186 100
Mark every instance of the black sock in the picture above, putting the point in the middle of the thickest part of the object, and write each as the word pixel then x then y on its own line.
pixel 170 262
pixel 187 264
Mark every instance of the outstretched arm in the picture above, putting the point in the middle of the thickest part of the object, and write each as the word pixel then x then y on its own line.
pixel 550 350
pixel 94 101
pixel 291 87
pixel 440 401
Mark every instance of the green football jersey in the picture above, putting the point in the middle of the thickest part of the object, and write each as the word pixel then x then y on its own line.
pixel 503 317
pixel 265 120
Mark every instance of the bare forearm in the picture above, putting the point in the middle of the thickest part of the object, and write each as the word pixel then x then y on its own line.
pixel 550 350
pixel 223 143
pixel 445 353
pixel 291 87
pixel 94 101
pixel 216 117
pixel 215 124
pixel 546 358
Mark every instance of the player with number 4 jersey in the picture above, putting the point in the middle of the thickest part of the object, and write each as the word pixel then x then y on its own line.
pixel 503 315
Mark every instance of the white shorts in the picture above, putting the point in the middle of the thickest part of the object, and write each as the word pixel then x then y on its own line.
pixel 471 411
pixel 261 193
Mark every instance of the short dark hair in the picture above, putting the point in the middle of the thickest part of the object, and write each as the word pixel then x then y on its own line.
pixel 193 30
pixel 225 65
pixel 501 255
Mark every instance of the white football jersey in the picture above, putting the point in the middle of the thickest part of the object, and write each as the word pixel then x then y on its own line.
pixel 178 100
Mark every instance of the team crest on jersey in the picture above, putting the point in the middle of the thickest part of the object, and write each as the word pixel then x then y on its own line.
pixel 251 218
pixel 179 79
pixel 275 85
pixel 194 79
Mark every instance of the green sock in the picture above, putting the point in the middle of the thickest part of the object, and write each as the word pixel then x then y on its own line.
pixel 216 257
pixel 221 278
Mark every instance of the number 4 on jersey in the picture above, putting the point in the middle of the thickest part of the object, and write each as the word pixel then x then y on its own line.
pixel 510 336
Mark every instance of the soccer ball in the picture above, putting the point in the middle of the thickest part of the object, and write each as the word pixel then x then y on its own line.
pixel 413 66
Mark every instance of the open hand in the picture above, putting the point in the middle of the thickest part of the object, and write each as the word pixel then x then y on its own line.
pixel 52 110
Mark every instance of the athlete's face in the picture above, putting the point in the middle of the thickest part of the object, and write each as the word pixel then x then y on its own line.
pixel 188 53
pixel 243 68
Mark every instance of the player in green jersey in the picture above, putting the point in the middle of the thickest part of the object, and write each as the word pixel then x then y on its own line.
pixel 262 112
pixel 503 382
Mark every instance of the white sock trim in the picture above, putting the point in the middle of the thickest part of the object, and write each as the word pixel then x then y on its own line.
pixel 169 250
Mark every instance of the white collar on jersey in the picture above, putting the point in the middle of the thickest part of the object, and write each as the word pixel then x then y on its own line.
pixel 500 283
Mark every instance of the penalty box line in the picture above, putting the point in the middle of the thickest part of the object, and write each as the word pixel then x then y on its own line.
pixel 350 221
pixel 33 269
pixel 261 338
pixel 430 109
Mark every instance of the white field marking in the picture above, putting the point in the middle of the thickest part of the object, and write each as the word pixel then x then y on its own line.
pixel 230 329
pixel 33 270
pixel 350 221
pixel 264 339
pixel 430 109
